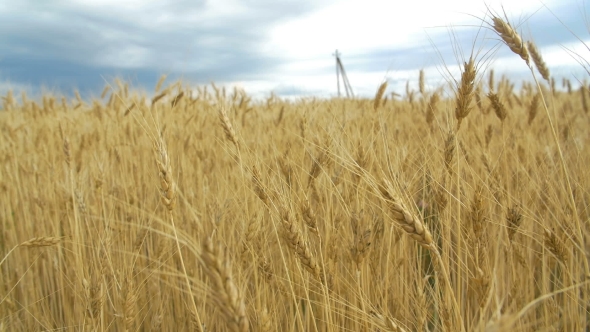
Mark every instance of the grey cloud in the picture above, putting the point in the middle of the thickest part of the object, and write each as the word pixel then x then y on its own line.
pixel 69 43
pixel 82 34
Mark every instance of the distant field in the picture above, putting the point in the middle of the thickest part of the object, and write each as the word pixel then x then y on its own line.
pixel 461 208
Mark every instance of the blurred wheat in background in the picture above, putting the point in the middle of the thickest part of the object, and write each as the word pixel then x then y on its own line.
pixel 207 211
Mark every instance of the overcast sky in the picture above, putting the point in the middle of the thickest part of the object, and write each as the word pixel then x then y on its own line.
pixel 268 45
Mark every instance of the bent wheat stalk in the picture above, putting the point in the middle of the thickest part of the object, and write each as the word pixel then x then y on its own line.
pixel 414 227
pixel 410 223
pixel 36 242
pixel 513 40
pixel 168 195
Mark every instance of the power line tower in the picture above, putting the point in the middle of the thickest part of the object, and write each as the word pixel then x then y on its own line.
pixel 340 72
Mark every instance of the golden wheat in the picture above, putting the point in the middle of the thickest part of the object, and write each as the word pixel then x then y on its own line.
pixel 292 230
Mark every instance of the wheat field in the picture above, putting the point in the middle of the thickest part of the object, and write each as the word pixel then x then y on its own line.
pixel 464 208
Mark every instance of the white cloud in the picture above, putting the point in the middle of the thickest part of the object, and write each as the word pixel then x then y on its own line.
pixel 564 54
pixel 375 24
pixel 359 29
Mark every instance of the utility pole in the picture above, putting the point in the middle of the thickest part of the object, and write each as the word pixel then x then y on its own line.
pixel 341 72
pixel 337 55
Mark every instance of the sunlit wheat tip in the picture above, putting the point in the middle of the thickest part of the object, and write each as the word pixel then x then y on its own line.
pixel 511 38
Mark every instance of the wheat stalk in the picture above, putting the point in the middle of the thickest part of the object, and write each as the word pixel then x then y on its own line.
pixel 422 83
pixel 168 195
pixel 515 43
pixel 414 227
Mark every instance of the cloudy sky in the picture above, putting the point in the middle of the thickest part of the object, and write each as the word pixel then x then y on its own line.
pixel 268 45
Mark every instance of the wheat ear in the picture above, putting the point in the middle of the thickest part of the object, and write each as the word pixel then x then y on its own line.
pixel 538 60
pixel 511 38
pixel 160 82
pixel 226 294
pixel 168 194
pixel 379 95
pixel 35 242
pixel 295 240
pixel 129 307
pixel 533 108
pixel 44 241
pixel 465 91
pixel 264 321
pixel 230 133
pixel 407 220
pixel 385 323
pixel 167 185
pixel 414 227
pixel 498 106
